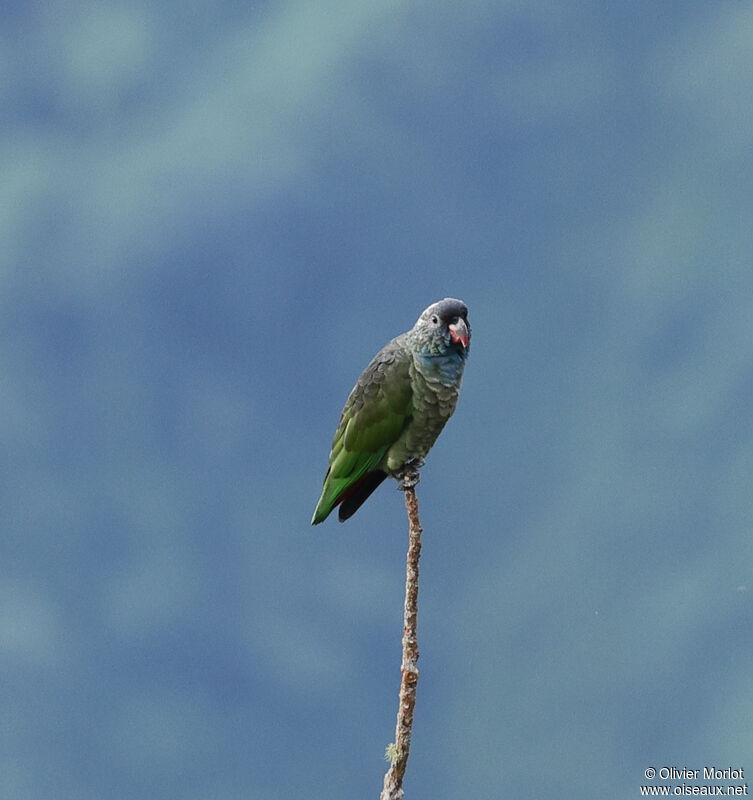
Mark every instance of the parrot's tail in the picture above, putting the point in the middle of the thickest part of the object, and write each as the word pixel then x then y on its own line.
pixel 357 495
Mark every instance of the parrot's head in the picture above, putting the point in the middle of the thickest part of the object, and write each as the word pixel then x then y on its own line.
pixel 443 328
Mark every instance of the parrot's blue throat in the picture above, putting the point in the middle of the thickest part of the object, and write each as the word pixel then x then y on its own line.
pixel 453 352
pixel 448 365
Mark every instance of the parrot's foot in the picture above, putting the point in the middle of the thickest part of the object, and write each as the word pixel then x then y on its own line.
pixel 410 476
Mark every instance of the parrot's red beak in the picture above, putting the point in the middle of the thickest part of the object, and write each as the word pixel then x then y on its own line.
pixel 459 332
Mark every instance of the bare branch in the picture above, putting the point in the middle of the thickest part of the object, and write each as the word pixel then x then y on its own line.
pixel 398 752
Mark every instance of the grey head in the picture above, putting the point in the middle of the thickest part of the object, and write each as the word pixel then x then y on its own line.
pixel 443 329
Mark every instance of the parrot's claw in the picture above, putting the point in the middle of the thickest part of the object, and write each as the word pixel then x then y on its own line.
pixel 410 475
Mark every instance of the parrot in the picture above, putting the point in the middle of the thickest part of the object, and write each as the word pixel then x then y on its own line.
pixel 397 408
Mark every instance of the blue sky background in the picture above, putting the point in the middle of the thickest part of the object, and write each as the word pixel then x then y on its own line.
pixel 211 217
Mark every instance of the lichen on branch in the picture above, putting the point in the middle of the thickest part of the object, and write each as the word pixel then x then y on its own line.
pixel 397 752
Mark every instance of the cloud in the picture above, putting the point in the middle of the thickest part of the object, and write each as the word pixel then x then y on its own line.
pixel 31 628
pixel 704 73
pixel 115 178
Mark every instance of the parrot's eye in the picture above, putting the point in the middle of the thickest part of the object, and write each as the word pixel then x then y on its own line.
pixel 434 319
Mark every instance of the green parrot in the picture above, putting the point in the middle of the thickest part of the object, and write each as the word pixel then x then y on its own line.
pixel 397 408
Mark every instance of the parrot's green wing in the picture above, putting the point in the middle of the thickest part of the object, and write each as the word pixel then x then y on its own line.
pixel 376 413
